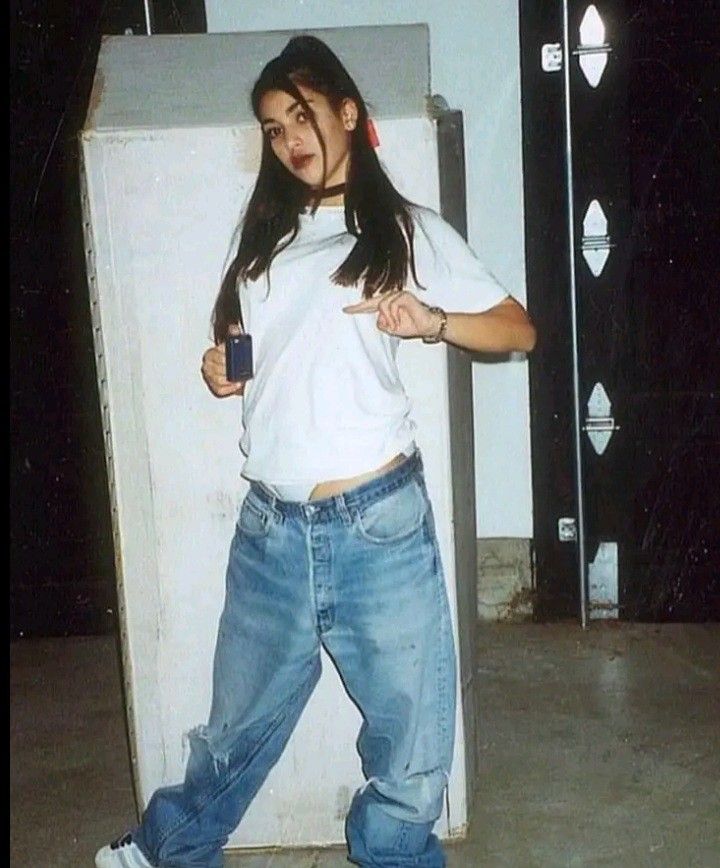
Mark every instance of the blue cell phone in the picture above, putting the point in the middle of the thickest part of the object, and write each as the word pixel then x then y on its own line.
pixel 238 358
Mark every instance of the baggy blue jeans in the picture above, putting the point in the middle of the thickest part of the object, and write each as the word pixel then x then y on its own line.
pixel 359 574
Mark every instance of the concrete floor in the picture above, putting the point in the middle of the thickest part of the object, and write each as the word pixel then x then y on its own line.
pixel 598 748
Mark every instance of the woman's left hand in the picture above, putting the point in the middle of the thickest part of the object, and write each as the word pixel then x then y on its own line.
pixel 400 313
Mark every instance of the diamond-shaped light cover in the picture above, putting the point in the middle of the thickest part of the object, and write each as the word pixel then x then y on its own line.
pixel 592 33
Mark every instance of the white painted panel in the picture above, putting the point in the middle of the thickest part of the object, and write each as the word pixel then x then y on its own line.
pixel 162 205
pixel 475 64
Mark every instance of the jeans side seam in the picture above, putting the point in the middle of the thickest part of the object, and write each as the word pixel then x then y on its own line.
pixel 444 624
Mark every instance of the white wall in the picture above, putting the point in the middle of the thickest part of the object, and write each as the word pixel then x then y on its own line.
pixel 475 65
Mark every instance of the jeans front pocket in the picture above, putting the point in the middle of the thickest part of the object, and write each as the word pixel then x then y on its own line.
pixel 397 515
pixel 255 518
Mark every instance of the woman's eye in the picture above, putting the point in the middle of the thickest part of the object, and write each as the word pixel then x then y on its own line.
pixel 272 132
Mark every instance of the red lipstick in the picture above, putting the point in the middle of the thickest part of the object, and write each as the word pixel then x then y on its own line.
pixel 300 161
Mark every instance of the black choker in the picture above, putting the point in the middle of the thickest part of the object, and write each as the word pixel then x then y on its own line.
pixel 331 191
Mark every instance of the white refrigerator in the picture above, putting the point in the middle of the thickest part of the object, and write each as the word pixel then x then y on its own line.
pixel 169 152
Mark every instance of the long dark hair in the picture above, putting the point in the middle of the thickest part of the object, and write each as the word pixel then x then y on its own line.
pixel 375 212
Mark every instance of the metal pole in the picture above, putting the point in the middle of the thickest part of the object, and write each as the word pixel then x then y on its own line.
pixel 148 17
pixel 582 568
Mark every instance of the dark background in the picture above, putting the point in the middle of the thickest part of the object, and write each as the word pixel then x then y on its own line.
pixel 62 571
pixel 646 145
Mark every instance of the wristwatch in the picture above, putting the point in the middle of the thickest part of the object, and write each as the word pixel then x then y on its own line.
pixel 436 338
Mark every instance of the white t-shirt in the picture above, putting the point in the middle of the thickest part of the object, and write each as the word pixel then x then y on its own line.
pixel 326 400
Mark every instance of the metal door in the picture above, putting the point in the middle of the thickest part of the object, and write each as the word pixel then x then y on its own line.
pixel 620 136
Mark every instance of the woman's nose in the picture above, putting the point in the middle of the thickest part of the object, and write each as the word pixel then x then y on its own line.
pixel 294 140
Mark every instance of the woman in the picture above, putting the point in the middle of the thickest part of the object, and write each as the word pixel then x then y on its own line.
pixel 335 543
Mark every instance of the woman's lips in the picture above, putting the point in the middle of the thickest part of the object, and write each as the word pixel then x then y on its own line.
pixel 300 161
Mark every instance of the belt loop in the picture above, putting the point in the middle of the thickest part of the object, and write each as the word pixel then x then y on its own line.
pixel 270 493
pixel 343 510
pixel 278 513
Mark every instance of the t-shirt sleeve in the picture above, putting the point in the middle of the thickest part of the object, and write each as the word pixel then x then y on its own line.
pixel 452 276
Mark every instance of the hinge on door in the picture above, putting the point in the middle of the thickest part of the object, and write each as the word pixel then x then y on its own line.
pixel 551 57
pixel 595 243
pixel 599 422
pixel 602 423
pixel 592 51
pixel 603 581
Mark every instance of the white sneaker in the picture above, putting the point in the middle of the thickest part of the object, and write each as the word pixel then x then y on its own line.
pixel 122 853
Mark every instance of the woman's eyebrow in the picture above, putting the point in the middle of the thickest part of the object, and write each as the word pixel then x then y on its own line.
pixel 296 104
pixel 288 111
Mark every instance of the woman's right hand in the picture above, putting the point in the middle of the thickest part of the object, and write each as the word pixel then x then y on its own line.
pixel 213 371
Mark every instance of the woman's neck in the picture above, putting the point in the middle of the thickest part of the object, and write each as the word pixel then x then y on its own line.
pixel 332 195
